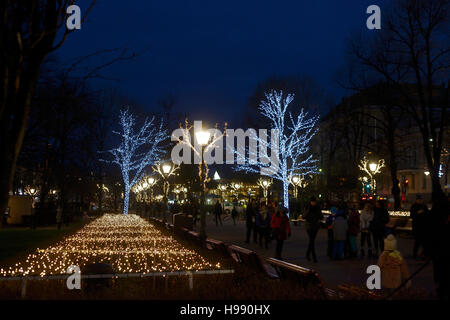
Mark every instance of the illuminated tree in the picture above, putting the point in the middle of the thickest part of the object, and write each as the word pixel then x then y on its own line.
pixel 289 143
pixel 137 150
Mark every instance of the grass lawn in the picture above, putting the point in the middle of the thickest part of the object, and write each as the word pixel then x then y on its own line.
pixel 18 242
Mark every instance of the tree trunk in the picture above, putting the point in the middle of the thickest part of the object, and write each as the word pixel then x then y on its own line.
pixel 126 200
pixel 286 195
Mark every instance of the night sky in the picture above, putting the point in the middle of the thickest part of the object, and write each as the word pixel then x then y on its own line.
pixel 212 54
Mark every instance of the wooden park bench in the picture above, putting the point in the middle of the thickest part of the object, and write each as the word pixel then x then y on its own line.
pixel 289 271
pixel 352 292
pixel 194 237
pixel 218 246
pixel 251 260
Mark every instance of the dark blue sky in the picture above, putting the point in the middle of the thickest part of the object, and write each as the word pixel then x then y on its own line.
pixel 212 54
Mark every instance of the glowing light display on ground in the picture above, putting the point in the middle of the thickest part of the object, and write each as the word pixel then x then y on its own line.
pixel 127 242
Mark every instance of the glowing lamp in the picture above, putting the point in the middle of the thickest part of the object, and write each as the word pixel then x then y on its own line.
pixel 295 179
pixel 166 168
pixel 216 176
pixel 373 167
pixel 427 173
pixel 202 137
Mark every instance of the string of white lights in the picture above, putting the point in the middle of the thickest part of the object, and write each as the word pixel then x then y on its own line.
pixel 127 242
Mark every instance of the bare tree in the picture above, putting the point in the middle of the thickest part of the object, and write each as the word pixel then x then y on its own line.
pixel 28 33
pixel 412 55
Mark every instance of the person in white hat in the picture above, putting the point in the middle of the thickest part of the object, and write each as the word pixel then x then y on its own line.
pixel 393 267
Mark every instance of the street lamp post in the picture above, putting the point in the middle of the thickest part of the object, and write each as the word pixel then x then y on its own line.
pixel 296 182
pixel 165 170
pixel 223 188
pixel 203 138
pixel 371 168
pixel 265 184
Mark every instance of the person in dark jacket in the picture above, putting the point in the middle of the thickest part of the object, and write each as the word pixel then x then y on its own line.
pixel 263 225
pixel 218 213
pixel 418 214
pixel 250 221
pixel 353 231
pixel 340 228
pixel 378 226
pixel 312 216
pixel 437 243
pixel 234 214
pixel 281 229
pixel 329 225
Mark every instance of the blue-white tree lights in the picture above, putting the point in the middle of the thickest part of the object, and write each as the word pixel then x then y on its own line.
pixel 289 143
pixel 137 150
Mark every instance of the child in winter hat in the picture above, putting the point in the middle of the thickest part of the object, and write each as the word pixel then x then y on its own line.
pixel 393 267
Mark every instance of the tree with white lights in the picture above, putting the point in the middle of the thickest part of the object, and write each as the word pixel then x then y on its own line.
pixel 137 150
pixel 289 143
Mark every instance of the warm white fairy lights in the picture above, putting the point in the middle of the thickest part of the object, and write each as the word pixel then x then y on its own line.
pixel 127 242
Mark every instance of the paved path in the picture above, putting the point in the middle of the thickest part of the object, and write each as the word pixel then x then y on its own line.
pixel 333 273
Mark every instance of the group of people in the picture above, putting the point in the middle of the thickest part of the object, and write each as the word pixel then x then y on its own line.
pixel 267 222
pixel 344 224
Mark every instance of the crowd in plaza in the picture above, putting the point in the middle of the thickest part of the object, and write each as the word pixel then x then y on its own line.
pixel 353 233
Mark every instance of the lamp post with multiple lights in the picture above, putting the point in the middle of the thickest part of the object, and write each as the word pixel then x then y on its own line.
pixel 371 168
pixel 165 170
pixel 265 183
pixel 203 139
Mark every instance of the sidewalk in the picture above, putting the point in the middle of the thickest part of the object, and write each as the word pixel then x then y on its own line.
pixel 333 273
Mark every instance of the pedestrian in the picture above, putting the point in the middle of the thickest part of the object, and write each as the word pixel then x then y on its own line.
pixel 418 214
pixel 263 224
pixel 313 216
pixel 218 213
pixel 437 245
pixel 378 226
pixel 365 221
pixel 281 229
pixel 250 221
pixel 392 265
pixel 329 225
pixel 340 228
pixel 59 217
pixel 353 231
pixel 234 214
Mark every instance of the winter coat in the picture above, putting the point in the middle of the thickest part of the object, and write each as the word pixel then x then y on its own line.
pixel 263 218
pixel 419 219
pixel 280 227
pixel 353 223
pixel 380 219
pixel 250 215
pixel 365 219
pixel 340 228
pixel 218 208
pixel 393 269
pixel 313 216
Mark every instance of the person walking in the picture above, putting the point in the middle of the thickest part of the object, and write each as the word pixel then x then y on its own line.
pixel 329 225
pixel 250 220
pixel 365 221
pixel 353 231
pixel 392 265
pixel 378 226
pixel 340 228
pixel 418 213
pixel 218 213
pixel 281 229
pixel 263 218
pixel 313 216
pixel 234 214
